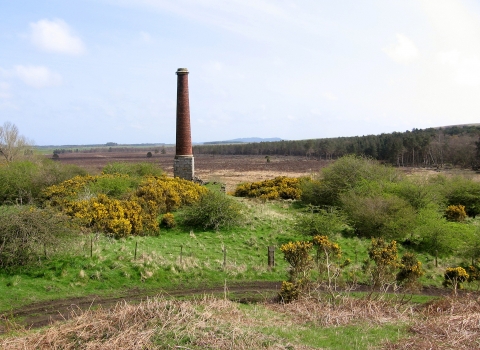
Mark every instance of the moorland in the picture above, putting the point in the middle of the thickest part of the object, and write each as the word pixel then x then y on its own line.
pixel 366 255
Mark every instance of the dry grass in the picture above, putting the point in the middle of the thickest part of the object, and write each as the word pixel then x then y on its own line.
pixel 210 323
pixel 345 311
pixel 156 323
pixel 450 323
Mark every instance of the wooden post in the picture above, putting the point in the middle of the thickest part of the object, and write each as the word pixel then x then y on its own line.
pixel 436 258
pixel 135 256
pixel 271 256
pixel 91 246
pixel 224 257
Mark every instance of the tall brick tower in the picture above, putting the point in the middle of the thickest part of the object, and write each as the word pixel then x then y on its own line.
pixel 183 165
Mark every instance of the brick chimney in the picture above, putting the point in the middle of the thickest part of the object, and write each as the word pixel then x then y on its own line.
pixel 183 165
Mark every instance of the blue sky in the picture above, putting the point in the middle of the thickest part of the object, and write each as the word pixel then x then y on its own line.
pixel 97 71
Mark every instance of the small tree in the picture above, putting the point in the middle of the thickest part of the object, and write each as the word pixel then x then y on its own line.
pixel 12 144
pixel 149 154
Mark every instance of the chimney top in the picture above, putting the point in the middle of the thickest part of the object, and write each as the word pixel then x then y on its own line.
pixel 182 71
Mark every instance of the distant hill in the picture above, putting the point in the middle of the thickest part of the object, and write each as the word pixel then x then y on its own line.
pixel 244 140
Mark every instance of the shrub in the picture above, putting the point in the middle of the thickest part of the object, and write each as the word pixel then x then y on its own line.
pixel 112 185
pixel 168 220
pixel 22 182
pixel 454 277
pixel 297 254
pixel 288 292
pixel 322 222
pixel 347 173
pixel 137 213
pixel 410 271
pixel 464 191
pixel 133 169
pixel 112 216
pixel 27 234
pixel 385 256
pixel 163 194
pixel 278 188
pixel 328 261
pixel 149 154
pixel 379 216
pixel 455 213
pixel 214 210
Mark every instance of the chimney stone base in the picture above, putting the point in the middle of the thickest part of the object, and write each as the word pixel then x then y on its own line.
pixel 183 167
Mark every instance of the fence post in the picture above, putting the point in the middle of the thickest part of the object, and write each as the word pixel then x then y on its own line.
pixel 91 246
pixel 224 257
pixel 271 256
pixel 135 255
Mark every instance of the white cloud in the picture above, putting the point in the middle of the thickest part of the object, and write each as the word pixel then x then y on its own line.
pixel 37 76
pixel 404 51
pixel 55 36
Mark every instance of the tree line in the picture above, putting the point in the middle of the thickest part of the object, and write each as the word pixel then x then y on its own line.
pixel 434 147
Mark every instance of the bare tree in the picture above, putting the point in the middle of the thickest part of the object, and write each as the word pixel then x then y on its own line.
pixel 12 144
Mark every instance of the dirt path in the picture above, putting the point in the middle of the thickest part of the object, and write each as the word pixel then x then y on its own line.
pixel 44 313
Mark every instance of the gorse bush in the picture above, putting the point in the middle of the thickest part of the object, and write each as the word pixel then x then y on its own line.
pixel 297 254
pixel 385 257
pixel 410 271
pixel 278 188
pixel 163 194
pixel 455 213
pixel 214 210
pixel 119 218
pixel 454 277
pixel 84 197
pixel 168 220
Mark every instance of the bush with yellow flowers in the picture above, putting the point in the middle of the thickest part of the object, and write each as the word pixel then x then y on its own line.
pixel 281 187
pixel 297 254
pixel 288 292
pixel 119 218
pixel 83 197
pixel 410 271
pixel 385 257
pixel 168 220
pixel 164 194
pixel 328 261
pixel 455 213
pixel 454 277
